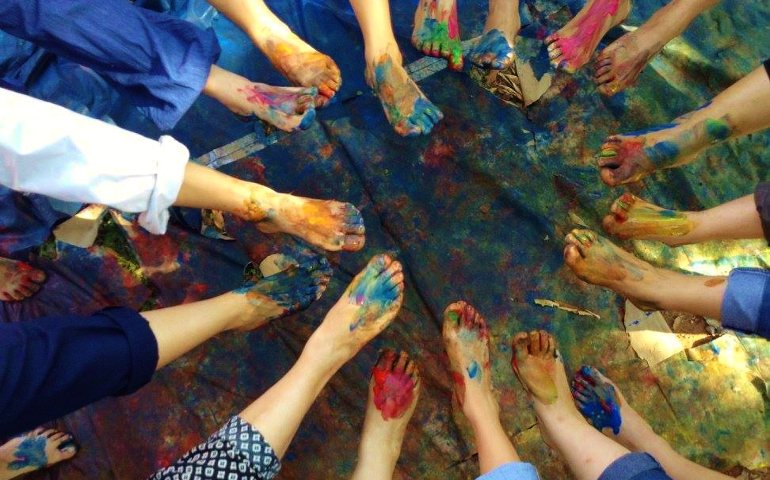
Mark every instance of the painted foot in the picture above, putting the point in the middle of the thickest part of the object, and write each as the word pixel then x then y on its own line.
pixel 572 46
pixel 368 305
pixel 602 404
pixel 33 451
pixel 20 280
pixel 436 31
pixel 534 365
pixel 495 47
pixel 630 157
pixel 327 224
pixel 302 65
pixel 618 66
pixel 287 108
pixel 596 260
pixel 407 109
pixel 289 291
pixel 632 217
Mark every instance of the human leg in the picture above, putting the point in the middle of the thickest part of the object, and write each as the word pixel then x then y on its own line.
pixel 617 66
pixel 572 46
pixel 393 392
pixel 632 217
pixel 596 260
pixel 406 107
pixel 32 451
pixel 368 305
pixel 603 405
pixel 437 32
pixel 736 112
pixel 495 47
pixel 20 280
pixel 300 63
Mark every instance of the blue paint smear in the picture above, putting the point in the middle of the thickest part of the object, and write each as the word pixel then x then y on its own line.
pixel 600 409
pixel 493 42
pixel 373 292
pixel 30 453
pixel 662 154
pixel 474 370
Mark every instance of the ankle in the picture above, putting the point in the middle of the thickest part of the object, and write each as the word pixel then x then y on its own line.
pixel 480 409
pixel 383 48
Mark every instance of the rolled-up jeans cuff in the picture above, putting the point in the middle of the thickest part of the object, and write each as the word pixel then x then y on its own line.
pixel 172 161
pixel 512 471
pixel 634 466
pixel 746 302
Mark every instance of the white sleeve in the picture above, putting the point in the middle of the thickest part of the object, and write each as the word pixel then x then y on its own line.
pixel 53 151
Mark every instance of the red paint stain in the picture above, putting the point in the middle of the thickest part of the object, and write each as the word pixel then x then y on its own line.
pixel 393 392
pixel 438 154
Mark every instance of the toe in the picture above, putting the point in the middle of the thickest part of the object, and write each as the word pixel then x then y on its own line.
pixel 355 229
pixel 401 363
pixel 551 39
pixel 608 176
pixel 397 279
pixel 386 360
pixel 393 269
pixel 519 345
pixel 551 344
pixel 380 262
pixel 453 313
pixel 37 276
pixel 609 224
pixel 572 256
pixel 534 343
pixel 353 243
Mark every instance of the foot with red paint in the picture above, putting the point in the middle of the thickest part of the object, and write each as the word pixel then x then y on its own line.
pixel 406 107
pixel 288 291
pixel 596 260
pixel 632 217
pixel 287 108
pixel 327 224
pixel 20 280
pixel 436 31
pixel 572 46
pixel 495 47
pixel 393 392
pixel 368 305
pixel 35 450
pixel 466 340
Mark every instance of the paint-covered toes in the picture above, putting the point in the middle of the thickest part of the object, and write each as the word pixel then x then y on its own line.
pixel 20 280
pixel 466 340
pixel 378 292
pixel 493 50
pixel 624 160
pixel 632 217
pixel 35 450
pixel 395 386
pixel 597 399
pixel 436 31
pixel 533 362
pixel 305 67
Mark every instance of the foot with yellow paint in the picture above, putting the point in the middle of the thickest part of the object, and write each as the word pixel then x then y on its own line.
pixel 633 218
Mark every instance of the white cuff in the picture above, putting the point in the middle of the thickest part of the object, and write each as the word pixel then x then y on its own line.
pixel 171 162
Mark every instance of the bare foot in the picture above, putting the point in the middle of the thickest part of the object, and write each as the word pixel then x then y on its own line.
pixel 407 109
pixel 630 157
pixel 466 340
pixel 436 31
pixel 33 451
pixel 596 260
pixel 393 392
pixel 301 64
pixel 534 365
pixel 368 305
pixel 287 108
pixel 602 404
pixel 632 217
pixel 281 294
pixel 327 224
pixel 618 66
pixel 495 47
pixel 572 46
pixel 20 280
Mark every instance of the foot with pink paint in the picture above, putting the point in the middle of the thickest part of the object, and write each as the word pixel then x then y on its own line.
pixel 393 392
pixel 633 218
pixel 495 47
pixel 368 305
pixel 572 46
pixel 287 108
pixel 35 450
pixel 20 280
pixel 466 340
pixel 436 31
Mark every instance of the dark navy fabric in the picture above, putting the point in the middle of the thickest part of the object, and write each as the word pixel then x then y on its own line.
pixel 762 199
pixel 26 221
pixel 55 365
pixel 634 466
pixel 158 62
pixel 746 304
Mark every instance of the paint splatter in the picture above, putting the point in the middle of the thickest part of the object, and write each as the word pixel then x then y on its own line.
pixel 373 292
pixel 597 399
pixel 30 453
pixel 393 388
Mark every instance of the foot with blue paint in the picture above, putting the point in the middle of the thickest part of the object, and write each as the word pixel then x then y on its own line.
pixel 408 110
pixel 327 224
pixel 596 260
pixel 466 340
pixel 368 305
pixel 20 280
pixel 633 218
pixel 495 47
pixel 288 291
pixel 602 404
pixel 393 392
pixel 572 46
pixel 35 450
pixel 436 31
pixel 286 108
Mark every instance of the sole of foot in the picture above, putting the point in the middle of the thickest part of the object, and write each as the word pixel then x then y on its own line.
pixel 20 280
pixel 436 31
pixel 287 108
pixel 633 218
pixel 533 363
pixel 407 109
pixel 572 46
pixel 596 260
pixel 369 304
pixel 35 450
pixel 289 291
